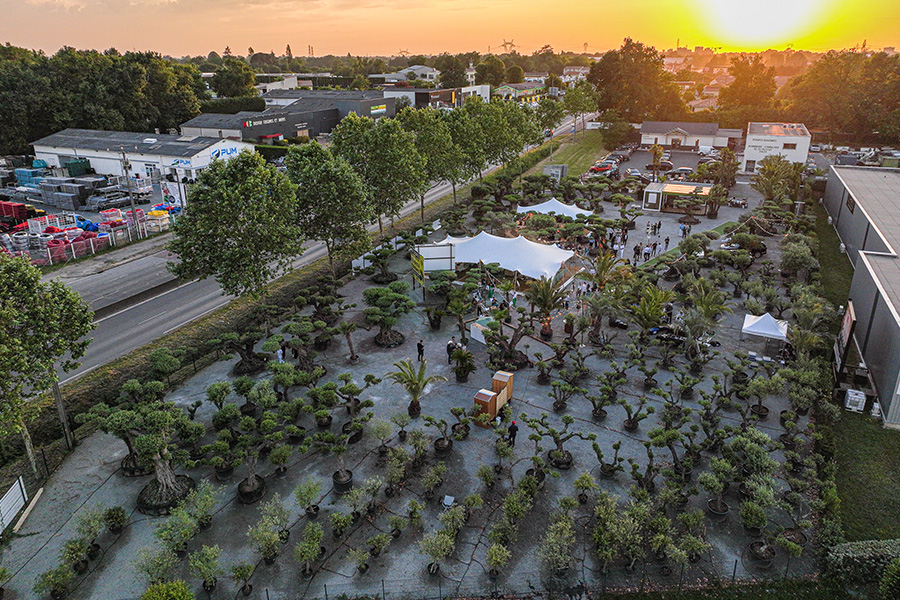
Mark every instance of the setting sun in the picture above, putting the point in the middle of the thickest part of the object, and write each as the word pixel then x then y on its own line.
pixel 763 23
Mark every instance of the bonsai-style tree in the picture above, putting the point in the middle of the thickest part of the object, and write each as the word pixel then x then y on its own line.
pixel 644 479
pixel 385 307
pixel 243 342
pixel 414 381
pixel 562 392
pixel 343 393
pixel 153 428
pixel 609 468
pixel 636 413
pixel 248 438
pixel 379 258
pixel 360 558
pixel 433 477
pixel 504 451
pixel 444 442
pixel 559 457
pixel 502 348
pixel 585 484
pixel 382 430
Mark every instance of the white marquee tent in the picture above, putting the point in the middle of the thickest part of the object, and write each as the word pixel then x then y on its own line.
pixel 530 259
pixel 765 326
pixel 555 206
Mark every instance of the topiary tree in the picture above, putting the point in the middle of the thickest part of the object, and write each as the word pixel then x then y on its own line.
pixel 153 429
pixel 559 457
pixel 385 307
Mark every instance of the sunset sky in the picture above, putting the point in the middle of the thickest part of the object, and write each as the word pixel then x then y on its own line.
pixel 383 27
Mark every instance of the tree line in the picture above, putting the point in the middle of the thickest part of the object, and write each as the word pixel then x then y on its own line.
pixel 135 91
pixel 247 221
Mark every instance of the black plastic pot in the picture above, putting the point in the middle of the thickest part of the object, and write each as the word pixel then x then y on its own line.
pixel 442 447
pixel 224 473
pixel 354 436
pixel 249 492
pixel 342 483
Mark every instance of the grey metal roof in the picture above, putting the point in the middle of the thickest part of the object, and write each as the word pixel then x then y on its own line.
pixel 145 143
pixel 335 94
pixel 663 127
pixel 877 191
pixel 221 121
pixel 307 105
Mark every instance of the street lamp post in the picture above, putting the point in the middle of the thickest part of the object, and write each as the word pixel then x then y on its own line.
pixel 126 165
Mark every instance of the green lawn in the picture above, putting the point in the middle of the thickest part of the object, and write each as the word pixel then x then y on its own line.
pixel 868 456
pixel 836 272
pixel 579 153
pixel 776 590
pixel 868 478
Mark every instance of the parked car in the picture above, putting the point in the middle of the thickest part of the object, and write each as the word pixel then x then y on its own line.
pixel 663 166
pixel 649 178
pixel 632 173
pixel 815 148
pixel 682 171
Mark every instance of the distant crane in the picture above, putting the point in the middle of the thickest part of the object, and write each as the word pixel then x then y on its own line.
pixel 404 53
pixel 509 46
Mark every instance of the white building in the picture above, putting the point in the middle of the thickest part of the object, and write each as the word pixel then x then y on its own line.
pixel 418 72
pixel 150 154
pixel 573 74
pixel 790 140
pixel 689 136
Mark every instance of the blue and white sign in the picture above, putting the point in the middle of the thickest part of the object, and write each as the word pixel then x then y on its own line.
pixel 223 152
pixel 181 162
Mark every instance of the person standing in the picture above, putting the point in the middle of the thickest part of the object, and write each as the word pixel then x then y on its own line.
pixel 512 430
pixel 280 355
pixel 420 348
pixel 666 242
pixel 451 346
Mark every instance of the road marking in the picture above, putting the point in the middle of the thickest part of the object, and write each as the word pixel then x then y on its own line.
pixel 197 317
pixel 144 301
pixel 153 317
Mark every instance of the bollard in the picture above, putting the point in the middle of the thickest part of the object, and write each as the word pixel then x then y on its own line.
pixel 325 585
pixel 734 572
pixel 383 597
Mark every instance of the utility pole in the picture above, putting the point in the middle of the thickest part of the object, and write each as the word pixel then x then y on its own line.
pixel 125 167
pixel 63 417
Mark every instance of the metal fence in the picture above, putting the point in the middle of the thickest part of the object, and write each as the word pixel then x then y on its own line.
pixel 12 503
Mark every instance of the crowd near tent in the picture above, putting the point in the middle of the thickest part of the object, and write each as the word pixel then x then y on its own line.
pixel 765 326
pixel 530 259
pixel 556 207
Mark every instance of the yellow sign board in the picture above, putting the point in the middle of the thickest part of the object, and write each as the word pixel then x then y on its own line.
pixel 418 268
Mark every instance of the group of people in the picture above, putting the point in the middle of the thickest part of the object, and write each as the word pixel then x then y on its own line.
pixel 685 230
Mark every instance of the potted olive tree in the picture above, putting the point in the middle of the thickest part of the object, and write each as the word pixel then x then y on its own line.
pixel 307 493
pixel 308 550
pixel 497 557
pixel 437 547
pixel 443 444
pixel 241 575
pixel 205 564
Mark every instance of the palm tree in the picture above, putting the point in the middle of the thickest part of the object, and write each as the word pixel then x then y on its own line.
pixel 607 269
pixel 656 152
pixel 609 301
pixel 649 311
pixel 414 381
pixel 545 295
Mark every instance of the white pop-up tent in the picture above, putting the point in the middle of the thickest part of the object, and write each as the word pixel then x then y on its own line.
pixel 530 259
pixel 765 326
pixel 555 206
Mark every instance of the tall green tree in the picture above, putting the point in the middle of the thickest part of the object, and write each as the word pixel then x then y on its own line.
pixel 753 85
pixel 514 74
pixel 332 203
pixel 578 101
pixel 385 156
pixel 453 71
pixel 633 81
pixel 549 114
pixel 233 78
pixel 491 70
pixel 468 137
pixel 240 226
pixel 42 326
pixel 442 158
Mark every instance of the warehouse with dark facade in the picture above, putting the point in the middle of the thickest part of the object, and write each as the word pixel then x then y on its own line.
pixel 291 113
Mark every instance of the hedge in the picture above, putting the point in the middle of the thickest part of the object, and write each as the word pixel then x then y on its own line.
pixel 230 106
pixel 271 152
pixel 860 563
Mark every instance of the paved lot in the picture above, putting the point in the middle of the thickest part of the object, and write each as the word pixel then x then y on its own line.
pixel 90 476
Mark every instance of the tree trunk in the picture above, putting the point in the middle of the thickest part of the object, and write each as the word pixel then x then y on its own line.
pixel 422 207
pixel 453 183
pixel 29 447
pixel 380 226
pixel 165 475
pixel 350 345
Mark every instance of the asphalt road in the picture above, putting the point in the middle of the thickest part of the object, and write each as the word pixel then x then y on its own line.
pixel 124 331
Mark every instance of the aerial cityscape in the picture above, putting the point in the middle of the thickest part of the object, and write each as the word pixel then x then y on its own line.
pixel 338 300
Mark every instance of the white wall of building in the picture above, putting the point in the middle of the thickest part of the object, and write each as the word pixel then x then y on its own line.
pixel 795 148
pixel 211 132
pixel 109 162
pixel 686 141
